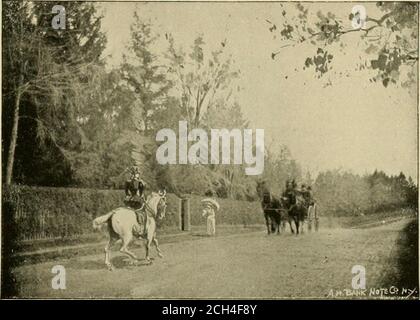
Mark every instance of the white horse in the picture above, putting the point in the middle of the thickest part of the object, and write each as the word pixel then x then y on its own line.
pixel 122 225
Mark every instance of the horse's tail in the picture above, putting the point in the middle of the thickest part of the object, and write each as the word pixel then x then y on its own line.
pixel 99 221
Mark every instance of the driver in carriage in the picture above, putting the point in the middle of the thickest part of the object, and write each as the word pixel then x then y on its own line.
pixel 306 197
pixel 306 192
pixel 289 194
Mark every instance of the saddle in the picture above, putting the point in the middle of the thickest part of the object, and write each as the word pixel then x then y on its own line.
pixel 135 202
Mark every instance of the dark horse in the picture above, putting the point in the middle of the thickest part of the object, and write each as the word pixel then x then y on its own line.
pixel 273 212
pixel 298 213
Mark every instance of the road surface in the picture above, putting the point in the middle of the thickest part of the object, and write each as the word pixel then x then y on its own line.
pixel 245 265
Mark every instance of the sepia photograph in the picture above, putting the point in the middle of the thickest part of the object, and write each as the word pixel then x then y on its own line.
pixel 191 150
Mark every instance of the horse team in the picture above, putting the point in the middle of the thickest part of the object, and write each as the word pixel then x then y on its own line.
pixel 280 211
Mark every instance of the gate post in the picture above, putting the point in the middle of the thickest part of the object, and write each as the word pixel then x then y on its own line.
pixel 180 220
pixel 184 214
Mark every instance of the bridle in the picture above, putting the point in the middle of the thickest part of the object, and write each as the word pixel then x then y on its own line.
pixel 155 213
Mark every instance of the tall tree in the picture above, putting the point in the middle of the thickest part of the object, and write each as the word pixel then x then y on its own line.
pixel 145 75
pixel 201 79
pixel 48 72
pixel 147 86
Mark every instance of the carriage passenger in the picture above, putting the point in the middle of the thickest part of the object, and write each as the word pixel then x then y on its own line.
pixel 306 194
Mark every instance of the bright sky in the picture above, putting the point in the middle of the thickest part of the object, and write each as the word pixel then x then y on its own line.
pixel 352 124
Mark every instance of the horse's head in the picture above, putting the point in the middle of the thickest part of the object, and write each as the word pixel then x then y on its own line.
pixel 156 204
pixel 266 198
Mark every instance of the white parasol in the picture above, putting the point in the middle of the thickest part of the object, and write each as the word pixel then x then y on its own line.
pixel 212 202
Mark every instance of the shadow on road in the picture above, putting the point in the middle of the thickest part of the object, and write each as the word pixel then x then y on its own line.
pixel 406 274
pixel 202 235
pixel 119 262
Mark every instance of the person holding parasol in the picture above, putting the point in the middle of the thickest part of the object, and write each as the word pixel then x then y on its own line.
pixel 209 210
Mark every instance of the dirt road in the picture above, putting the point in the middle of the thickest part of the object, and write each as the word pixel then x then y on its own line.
pixel 246 265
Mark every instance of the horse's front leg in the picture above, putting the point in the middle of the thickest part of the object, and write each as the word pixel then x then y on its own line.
pixel 268 223
pixel 148 244
pixel 156 242
pixel 297 225
pixel 290 224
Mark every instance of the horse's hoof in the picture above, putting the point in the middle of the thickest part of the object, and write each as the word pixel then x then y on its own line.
pixel 110 268
pixel 160 255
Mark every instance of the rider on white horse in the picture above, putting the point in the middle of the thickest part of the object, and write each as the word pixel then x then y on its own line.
pixel 134 196
pixel 122 225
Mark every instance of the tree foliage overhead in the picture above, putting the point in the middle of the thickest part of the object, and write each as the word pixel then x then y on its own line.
pixel 389 38
pixel 202 79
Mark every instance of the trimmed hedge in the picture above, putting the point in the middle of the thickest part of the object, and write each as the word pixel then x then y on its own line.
pixel 58 213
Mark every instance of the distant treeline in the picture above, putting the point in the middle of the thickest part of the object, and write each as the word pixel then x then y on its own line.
pixel 343 193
